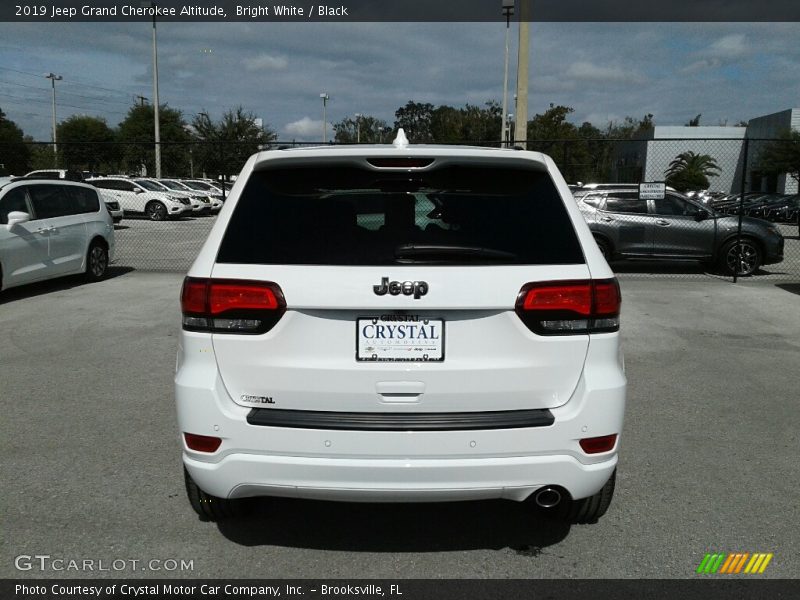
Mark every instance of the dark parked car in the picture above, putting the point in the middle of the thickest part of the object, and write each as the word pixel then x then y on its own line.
pixel 785 211
pixel 677 228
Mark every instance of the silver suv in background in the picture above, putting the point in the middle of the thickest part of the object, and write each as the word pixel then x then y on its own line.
pixel 676 228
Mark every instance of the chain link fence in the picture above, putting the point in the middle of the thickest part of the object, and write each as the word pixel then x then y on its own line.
pixel 730 209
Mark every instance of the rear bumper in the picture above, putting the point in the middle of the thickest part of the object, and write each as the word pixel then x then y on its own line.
pixel 395 480
pixel 395 466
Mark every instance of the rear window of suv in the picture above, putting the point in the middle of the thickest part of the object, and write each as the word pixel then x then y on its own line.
pixel 352 216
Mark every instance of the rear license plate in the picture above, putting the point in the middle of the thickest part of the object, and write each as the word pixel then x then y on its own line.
pixel 399 338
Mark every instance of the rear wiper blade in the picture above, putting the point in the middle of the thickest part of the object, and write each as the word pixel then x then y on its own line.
pixel 442 251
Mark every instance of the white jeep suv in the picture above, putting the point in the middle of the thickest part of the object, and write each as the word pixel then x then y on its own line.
pixel 407 323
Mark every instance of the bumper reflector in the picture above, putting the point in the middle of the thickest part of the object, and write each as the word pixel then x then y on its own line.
pixel 202 443
pixel 597 445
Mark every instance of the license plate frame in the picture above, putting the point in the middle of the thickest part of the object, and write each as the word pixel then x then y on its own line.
pixel 432 352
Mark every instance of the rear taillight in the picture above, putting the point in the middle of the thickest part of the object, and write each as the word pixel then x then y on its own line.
pixel 570 307
pixel 231 306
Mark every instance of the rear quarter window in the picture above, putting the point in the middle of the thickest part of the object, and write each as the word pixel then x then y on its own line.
pixel 351 216
pixel 82 200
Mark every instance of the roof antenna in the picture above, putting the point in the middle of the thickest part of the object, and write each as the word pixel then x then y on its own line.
pixel 401 141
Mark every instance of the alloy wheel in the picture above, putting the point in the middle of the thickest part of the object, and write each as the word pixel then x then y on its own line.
pixel 742 258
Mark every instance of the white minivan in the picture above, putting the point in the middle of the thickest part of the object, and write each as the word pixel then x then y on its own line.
pixel 401 323
pixel 50 229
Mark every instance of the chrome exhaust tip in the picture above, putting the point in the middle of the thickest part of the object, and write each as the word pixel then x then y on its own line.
pixel 547 497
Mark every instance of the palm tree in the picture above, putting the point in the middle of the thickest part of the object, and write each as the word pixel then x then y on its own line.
pixel 690 170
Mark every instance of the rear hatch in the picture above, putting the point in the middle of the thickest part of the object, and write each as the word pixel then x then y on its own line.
pixel 400 287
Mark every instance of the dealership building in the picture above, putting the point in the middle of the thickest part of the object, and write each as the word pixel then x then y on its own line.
pixel 648 157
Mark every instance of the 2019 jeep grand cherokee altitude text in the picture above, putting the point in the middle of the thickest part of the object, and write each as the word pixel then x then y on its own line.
pixel 407 323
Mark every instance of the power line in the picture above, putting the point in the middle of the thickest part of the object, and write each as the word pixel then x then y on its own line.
pixel 95 98
pixel 68 82
pixel 36 100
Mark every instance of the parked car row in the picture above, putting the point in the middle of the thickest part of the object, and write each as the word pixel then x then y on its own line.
pixel 157 199
pixel 781 208
pixel 676 228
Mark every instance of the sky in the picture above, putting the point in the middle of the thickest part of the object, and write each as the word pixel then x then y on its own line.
pixel 727 72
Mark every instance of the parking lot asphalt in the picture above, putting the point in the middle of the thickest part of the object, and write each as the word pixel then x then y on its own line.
pixel 91 457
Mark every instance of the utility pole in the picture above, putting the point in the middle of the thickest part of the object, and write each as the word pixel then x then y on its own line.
pixel 325 97
pixel 152 4
pixel 53 78
pixel 521 129
pixel 358 128
pixel 141 99
pixel 508 10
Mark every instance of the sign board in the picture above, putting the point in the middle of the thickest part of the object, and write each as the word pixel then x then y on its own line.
pixel 652 191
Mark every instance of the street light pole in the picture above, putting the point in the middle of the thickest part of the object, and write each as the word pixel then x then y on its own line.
pixel 325 97
pixel 358 128
pixel 508 10
pixel 53 78
pixel 152 4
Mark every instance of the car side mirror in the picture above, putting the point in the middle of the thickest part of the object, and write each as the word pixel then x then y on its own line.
pixel 138 191
pixel 17 217
pixel 701 215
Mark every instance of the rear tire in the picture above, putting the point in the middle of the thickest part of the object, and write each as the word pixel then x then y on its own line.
pixel 211 508
pixel 589 510
pixel 585 510
pixel 96 261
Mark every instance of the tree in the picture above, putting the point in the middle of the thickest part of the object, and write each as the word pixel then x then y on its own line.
pixel 136 133
pixel 415 119
pixel 781 156
pixel 552 124
pixel 86 143
pixel 446 125
pixel 694 122
pixel 364 129
pixel 481 124
pixel 551 133
pixel 15 155
pixel 630 128
pixel 690 170
pixel 41 154
pixel 224 146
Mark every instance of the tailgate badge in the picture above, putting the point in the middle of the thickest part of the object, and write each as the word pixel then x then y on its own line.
pixel 257 399
pixel 408 288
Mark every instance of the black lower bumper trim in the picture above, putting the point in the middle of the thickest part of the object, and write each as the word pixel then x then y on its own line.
pixel 359 421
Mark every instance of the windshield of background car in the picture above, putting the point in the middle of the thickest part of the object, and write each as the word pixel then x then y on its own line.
pixel 150 185
pixel 196 185
pixel 350 216
pixel 174 185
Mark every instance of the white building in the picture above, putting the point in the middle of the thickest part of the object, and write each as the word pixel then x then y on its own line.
pixel 648 158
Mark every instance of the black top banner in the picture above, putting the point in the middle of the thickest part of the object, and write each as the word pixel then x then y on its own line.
pixel 400 10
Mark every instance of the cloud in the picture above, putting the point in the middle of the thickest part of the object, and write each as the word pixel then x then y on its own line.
pixel 590 72
pixel 265 62
pixel 305 128
pixel 729 46
pixel 704 64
